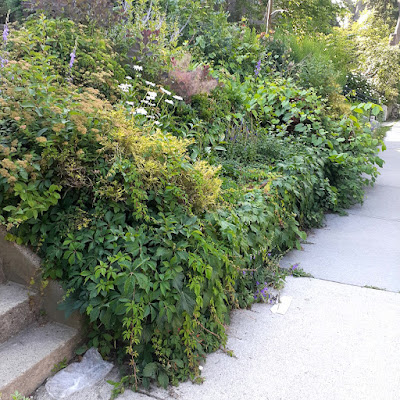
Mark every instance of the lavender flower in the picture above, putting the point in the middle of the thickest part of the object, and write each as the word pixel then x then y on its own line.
pixel 258 68
pixel 73 55
pixel 294 267
pixel 3 62
pixel 6 32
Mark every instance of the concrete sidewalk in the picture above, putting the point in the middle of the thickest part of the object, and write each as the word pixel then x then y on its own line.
pixel 337 341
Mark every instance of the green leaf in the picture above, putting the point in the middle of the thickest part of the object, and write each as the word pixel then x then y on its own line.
pixel 9 208
pixel 163 379
pixel 186 302
pixel 300 128
pixel 27 104
pixel 150 370
pixel 376 110
pixel 143 281
pixel 179 363
pixel 302 235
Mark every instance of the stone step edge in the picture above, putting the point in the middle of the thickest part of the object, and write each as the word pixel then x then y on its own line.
pixel 28 381
pixel 23 311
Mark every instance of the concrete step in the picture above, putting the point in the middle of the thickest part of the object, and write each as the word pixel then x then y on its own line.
pixel 27 359
pixel 18 308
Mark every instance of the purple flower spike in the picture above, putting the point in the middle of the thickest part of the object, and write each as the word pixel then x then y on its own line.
pixel 3 62
pixel 295 266
pixel 6 32
pixel 258 68
pixel 73 55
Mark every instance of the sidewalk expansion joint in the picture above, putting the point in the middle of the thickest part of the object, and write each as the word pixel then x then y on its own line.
pixel 372 217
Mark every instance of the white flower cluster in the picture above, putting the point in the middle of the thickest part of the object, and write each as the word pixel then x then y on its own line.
pixel 162 90
pixel 125 87
pixel 140 111
pixel 150 100
pixel 165 91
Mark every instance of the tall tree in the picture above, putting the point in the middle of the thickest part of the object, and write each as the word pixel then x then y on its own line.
pixel 308 16
pixel 395 37
pixel 387 11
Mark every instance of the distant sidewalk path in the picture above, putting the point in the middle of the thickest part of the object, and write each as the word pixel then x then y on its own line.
pixel 338 340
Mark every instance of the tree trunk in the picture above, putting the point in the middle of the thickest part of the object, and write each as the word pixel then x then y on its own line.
pixel 268 15
pixel 395 37
pixel 359 8
pixel 351 6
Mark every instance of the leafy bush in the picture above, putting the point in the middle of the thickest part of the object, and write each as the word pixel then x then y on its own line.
pixel 344 149
pixel 96 64
pixel 357 86
pixel 320 62
pixel 127 223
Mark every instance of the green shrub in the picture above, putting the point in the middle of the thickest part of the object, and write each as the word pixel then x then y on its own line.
pixel 320 61
pixel 344 149
pixel 96 64
pixel 126 222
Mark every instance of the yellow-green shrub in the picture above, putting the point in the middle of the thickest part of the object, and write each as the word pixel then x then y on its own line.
pixel 162 161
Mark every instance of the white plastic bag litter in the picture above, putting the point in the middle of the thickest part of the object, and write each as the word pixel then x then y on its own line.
pixel 78 376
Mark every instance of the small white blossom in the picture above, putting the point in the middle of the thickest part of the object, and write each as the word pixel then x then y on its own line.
pixel 152 95
pixel 128 77
pixel 145 102
pixel 125 87
pixel 157 123
pixel 169 101
pixel 130 103
pixel 178 98
pixel 200 368
pixel 165 91
pixel 138 68
pixel 150 83
pixel 151 117
pixel 152 104
pixel 140 111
